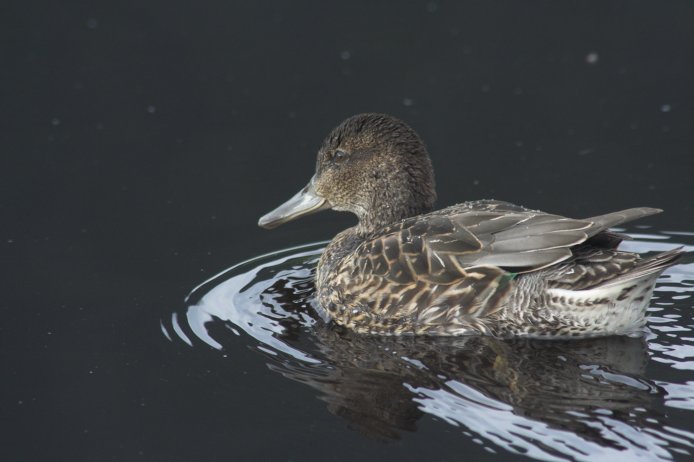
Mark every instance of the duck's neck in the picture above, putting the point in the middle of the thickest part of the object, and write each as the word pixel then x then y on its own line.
pixel 403 189
pixel 386 214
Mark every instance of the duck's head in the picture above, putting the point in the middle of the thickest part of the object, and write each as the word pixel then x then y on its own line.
pixel 372 165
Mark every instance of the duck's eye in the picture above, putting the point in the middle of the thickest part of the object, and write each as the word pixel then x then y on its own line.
pixel 339 156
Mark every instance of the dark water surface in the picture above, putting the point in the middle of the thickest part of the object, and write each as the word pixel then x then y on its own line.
pixel 141 141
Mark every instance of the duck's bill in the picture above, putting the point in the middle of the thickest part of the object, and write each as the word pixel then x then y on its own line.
pixel 305 202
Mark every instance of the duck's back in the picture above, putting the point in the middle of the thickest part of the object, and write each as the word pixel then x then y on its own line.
pixel 490 267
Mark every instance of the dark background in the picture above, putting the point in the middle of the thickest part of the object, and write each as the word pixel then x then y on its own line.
pixel 141 141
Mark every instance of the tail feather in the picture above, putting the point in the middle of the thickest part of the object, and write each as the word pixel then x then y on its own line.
pixel 647 267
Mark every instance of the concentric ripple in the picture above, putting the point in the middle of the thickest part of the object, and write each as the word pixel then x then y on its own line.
pixel 596 399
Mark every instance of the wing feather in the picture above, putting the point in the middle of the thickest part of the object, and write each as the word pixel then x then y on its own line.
pixel 439 246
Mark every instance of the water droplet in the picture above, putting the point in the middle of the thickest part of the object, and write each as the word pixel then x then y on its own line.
pixel 151 109
pixel 345 55
pixel 92 23
pixel 592 57
pixel 432 7
pixel 665 108
pixel 55 121
pixel 407 102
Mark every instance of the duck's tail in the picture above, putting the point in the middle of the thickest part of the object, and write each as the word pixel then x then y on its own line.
pixel 647 268
pixel 614 306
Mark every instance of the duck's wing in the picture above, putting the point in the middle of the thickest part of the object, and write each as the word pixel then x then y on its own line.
pixel 532 240
pixel 442 248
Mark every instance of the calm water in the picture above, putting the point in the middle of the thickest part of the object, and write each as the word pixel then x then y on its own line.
pixel 596 399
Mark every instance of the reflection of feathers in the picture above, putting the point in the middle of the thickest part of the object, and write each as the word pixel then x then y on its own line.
pixel 541 380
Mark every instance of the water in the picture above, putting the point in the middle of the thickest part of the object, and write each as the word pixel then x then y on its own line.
pixel 593 399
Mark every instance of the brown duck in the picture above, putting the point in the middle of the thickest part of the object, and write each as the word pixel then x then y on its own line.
pixel 486 266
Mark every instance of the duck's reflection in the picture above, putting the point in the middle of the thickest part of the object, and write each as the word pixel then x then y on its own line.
pixel 374 383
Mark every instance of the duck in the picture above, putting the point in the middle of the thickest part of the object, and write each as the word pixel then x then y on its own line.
pixel 484 267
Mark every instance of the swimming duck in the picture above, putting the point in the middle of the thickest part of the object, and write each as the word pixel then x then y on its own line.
pixel 486 266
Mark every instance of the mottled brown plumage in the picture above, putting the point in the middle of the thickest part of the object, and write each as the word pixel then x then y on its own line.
pixel 485 266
